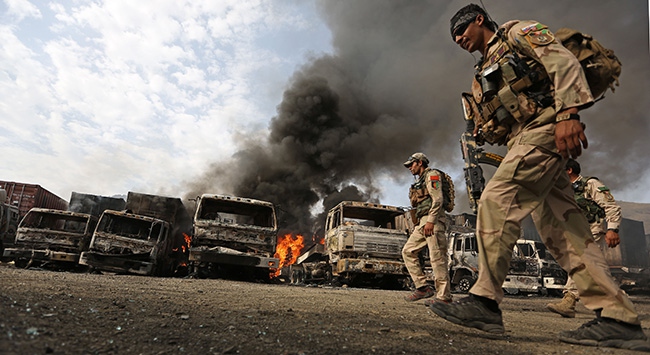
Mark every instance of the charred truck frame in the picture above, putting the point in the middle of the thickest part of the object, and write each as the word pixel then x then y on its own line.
pixel 533 270
pixel 9 218
pixel 56 238
pixel 363 246
pixel 148 238
pixel 233 236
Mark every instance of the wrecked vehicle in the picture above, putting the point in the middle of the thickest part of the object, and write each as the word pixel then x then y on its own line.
pixel 148 238
pixel 233 237
pixel 463 258
pixel 57 238
pixel 363 246
pixel 533 270
pixel 8 225
pixel 18 198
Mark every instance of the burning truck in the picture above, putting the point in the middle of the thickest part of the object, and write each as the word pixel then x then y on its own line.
pixel 150 237
pixel 362 246
pixel 233 237
pixel 56 238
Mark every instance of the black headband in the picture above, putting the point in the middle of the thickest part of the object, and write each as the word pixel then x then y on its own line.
pixel 462 21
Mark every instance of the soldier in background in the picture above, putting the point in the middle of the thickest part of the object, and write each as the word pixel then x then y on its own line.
pixel 430 222
pixel 526 92
pixel 604 217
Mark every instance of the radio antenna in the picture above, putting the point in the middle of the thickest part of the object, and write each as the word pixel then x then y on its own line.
pixel 496 25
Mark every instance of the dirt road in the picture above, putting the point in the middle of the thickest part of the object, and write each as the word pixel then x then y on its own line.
pixel 45 312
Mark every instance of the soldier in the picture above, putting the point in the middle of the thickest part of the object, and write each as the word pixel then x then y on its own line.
pixel 526 93
pixel 603 214
pixel 430 226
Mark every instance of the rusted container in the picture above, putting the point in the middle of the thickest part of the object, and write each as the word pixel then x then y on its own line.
pixel 27 196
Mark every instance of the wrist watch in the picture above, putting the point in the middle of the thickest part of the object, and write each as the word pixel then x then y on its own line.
pixel 613 229
pixel 567 116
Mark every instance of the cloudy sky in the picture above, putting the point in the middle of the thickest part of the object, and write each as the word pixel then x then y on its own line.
pixel 110 96
pixel 184 97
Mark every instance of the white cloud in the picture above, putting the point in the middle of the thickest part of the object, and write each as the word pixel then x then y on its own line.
pixel 110 96
pixel 21 9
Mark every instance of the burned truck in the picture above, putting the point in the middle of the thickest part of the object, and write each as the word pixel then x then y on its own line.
pixel 56 238
pixel 463 257
pixel 234 237
pixel 363 246
pixel 9 219
pixel 148 238
pixel 534 270
pixel 16 200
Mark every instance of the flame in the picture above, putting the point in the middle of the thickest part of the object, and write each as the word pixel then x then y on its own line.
pixel 188 241
pixel 288 250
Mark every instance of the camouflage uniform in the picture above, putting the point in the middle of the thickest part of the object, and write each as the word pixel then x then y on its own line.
pixel 597 191
pixel 531 178
pixel 427 198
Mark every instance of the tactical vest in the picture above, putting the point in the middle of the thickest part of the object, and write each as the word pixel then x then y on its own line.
pixel 419 196
pixel 507 89
pixel 589 207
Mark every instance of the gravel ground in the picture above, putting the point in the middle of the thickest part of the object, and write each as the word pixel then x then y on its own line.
pixel 47 312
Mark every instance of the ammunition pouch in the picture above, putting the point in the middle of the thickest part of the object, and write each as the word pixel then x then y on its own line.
pixel 419 197
pixel 518 99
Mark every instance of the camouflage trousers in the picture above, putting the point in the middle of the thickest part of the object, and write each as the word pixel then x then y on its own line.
pixel 437 244
pixel 532 177
pixel 570 286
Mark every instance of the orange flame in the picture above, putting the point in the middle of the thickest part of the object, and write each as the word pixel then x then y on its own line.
pixel 288 250
pixel 188 241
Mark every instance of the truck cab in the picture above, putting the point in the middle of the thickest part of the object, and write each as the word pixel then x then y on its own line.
pixel 533 270
pixel 463 258
pixel 149 237
pixel 47 236
pixel 128 243
pixel 233 236
pixel 364 240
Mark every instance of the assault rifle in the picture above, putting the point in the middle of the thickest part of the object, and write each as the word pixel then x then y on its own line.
pixel 473 157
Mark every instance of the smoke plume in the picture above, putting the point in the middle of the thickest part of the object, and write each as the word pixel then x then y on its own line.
pixel 392 88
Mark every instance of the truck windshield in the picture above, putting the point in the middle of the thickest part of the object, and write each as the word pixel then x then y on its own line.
pixel 361 215
pixel 236 212
pixel 128 227
pixel 54 221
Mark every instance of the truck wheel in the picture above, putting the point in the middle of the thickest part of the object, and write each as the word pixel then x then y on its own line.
pixel 21 263
pixel 465 283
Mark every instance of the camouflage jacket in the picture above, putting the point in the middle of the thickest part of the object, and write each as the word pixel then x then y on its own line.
pixel 561 81
pixel 426 196
pixel 595 190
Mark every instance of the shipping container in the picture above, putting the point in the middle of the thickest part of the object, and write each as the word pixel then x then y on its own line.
pixel 27 196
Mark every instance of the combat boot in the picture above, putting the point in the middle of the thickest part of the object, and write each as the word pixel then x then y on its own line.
pixel 566 307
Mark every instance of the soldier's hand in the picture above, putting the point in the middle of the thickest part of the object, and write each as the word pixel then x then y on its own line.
pixel 612 238
pixel 570 138
pixel 428 229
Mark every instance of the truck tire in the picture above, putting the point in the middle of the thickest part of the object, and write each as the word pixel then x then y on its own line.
pixel 465 283
pixel 21 263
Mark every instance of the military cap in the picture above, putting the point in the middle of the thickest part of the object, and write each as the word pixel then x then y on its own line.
pixel 416 157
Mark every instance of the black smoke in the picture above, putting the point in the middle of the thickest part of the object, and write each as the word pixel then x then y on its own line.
pixel 391 87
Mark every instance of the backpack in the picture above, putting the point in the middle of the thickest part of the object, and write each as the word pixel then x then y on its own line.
pixel 589 207
pixel 448 191
pixel 602 68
